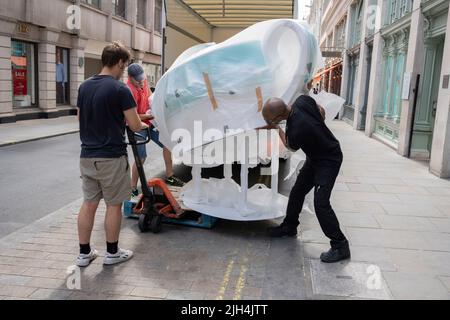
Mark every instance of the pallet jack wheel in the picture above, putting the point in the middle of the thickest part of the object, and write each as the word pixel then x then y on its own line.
pixel 144 222
pixel 156 224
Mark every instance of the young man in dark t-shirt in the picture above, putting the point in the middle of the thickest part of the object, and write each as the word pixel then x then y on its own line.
pixel 306 130
pixel 104 104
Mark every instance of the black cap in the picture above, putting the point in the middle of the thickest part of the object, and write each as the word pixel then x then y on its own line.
pixel 136 72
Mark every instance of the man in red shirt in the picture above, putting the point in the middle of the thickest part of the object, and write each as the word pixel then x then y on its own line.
pixel 138 85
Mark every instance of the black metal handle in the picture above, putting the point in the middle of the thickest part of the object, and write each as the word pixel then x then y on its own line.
pixel 132 141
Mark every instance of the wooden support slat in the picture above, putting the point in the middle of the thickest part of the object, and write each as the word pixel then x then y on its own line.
pixel 210 91
pixel 259 96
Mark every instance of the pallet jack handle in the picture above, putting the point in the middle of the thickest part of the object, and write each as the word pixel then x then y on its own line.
pixel 134 142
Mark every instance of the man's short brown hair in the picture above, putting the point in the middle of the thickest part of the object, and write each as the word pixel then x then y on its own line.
pixel 114 53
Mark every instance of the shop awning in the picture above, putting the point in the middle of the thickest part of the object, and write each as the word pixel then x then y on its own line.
pixel 19 61
pixel 241 13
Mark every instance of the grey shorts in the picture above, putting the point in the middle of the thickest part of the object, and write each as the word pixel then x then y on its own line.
pixel 107 179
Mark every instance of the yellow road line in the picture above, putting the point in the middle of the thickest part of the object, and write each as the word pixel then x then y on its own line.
pixel 240 285
pixel 226 280
pixel 241 282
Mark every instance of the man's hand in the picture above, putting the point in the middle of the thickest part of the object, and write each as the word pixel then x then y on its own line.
pixel 144 126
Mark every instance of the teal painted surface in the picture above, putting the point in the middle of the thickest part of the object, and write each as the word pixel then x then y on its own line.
pixel 387 85
pixel 428 94
pixel 387 116
pixel 398 83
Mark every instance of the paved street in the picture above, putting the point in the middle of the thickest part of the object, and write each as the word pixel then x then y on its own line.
pixel 395 213
pixel 37 178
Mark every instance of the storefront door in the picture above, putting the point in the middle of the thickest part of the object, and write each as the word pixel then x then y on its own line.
pixel 427 103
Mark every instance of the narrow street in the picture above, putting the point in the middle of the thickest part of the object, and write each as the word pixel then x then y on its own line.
pixel 394 212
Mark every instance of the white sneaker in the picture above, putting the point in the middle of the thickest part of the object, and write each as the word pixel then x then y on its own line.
pixel 84 260
pixel 122 255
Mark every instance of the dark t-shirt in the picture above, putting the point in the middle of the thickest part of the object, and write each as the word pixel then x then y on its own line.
pixel 102 101
pixel 307 130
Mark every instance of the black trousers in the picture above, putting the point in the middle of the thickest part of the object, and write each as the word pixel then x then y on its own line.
pixel 322 178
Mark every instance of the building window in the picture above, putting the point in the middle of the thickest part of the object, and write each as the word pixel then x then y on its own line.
pixel 394 10
pixel 158 15
pixel 405 7
pixel 358 22
pixel 23 68
pixel 142 12
pixel 119 8
pixel 340 35
pixel 398 9
pixel 93 3
pixel 62 76
pixel 330 41
pixel 158 73
pixel 394 68
pixel 351 93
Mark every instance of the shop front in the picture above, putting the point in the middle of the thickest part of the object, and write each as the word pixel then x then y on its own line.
pixel 426 108
pixel 23 74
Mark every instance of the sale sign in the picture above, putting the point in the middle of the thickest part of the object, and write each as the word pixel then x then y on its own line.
pixel 19 82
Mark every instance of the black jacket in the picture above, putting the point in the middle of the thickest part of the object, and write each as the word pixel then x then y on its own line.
pixel 307 130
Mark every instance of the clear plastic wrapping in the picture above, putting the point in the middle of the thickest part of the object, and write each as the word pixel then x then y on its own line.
pixel 223 85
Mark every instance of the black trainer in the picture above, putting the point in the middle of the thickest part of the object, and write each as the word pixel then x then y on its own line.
pixel 337 254
pixel 282 231
pixel 176 182
pixel 134 193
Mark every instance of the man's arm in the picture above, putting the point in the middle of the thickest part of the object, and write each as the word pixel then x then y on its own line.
pixel 280 132
pixel 78 114
pixel 133 120
pixel 146 117
pixel 322 112
pixel 282 136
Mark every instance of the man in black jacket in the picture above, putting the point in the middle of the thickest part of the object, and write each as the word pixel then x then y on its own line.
pixel 306 130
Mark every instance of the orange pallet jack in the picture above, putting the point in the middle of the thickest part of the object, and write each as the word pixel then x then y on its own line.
pixel 157 200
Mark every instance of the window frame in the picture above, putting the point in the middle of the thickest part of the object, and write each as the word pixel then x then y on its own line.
pixel 89 3
pixel 158 7
pixel 116 7
pixel 144 13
